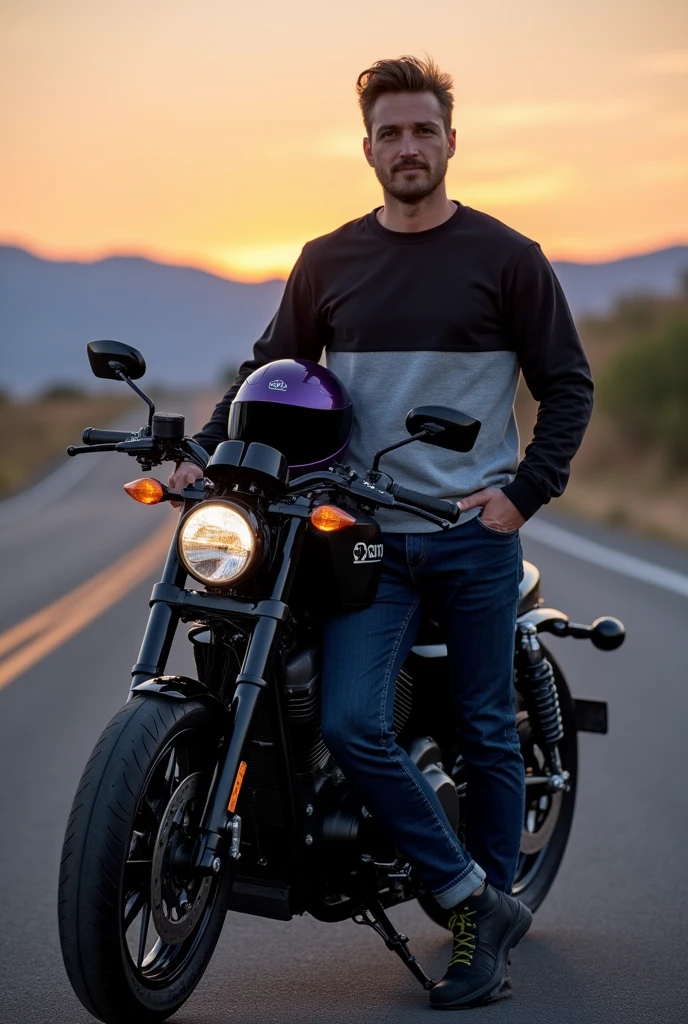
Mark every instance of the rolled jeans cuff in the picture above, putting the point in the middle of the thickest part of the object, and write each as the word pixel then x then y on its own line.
pixel 448 898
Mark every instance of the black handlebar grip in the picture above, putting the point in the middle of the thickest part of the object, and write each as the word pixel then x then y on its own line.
pixel 435 506
pixel 94 435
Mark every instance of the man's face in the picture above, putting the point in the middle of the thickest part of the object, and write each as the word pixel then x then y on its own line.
pixel 408 147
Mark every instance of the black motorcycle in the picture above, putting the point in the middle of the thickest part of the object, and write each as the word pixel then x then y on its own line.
pixel 218 792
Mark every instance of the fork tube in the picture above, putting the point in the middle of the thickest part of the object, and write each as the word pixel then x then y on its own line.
pixel 161 626
pixel 251 681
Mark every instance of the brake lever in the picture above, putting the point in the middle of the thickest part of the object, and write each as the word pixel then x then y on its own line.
pixel 81 449
pixel 137 446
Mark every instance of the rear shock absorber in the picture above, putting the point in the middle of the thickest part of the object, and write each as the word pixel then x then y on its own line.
pixel 535 680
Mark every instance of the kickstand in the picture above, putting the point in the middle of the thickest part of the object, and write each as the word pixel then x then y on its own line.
pixel 375 917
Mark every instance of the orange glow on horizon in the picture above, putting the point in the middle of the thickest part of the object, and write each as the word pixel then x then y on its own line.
pixel 224 137
pixel 273 270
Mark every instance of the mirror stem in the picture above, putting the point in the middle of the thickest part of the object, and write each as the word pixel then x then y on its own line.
pixel 428 430
pixel 119 370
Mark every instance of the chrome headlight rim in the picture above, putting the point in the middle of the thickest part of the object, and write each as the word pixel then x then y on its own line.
pixel 258 528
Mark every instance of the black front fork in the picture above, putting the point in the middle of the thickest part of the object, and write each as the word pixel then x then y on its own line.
pixel 221 828
pixel 220 825
pixel 161 627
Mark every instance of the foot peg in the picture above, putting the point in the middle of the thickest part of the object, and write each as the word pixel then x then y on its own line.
pixel 374 917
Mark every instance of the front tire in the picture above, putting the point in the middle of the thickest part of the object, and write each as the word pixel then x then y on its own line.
pixel 147 778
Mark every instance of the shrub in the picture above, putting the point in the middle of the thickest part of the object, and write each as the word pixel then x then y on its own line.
pixel 645 388
pixel 61 391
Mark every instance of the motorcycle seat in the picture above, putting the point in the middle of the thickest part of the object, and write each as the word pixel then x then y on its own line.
pixel 430 634
pixel 529 588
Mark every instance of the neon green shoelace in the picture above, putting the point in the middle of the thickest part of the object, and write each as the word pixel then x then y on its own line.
pixel 464 938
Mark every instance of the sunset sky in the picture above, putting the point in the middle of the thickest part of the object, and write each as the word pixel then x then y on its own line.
pixel 225 134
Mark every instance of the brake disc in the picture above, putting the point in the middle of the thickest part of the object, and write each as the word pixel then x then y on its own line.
pixel 532 841
pixel 544 807
pixel 177 903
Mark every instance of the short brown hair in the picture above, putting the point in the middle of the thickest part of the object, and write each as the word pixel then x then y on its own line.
pixel 405 74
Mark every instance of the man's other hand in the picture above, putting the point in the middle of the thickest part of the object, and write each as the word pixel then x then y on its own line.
pixel 498 512
pixel 184 476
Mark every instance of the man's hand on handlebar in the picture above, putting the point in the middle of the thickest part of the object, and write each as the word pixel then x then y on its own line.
pixel 497 511
pixel 184 476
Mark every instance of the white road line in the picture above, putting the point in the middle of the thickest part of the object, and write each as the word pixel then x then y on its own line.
pixel 46 491
pixel 63 478
pixel 606 558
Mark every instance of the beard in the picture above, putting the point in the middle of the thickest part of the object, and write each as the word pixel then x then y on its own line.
pixel 407 189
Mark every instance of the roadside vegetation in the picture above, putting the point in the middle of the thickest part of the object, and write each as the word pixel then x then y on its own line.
pixel 632 469
pixel 41 429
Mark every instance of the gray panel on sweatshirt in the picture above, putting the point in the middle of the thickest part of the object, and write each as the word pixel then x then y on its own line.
pixel 384 386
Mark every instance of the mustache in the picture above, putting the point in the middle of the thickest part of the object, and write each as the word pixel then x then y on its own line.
pixel 409 165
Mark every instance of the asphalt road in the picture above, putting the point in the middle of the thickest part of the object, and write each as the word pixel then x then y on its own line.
pixel 610 941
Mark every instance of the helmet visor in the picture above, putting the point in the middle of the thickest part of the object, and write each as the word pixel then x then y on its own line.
pixel 303 436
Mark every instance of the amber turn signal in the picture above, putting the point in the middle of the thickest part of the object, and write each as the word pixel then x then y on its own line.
pixel 328 518
pixel 147 490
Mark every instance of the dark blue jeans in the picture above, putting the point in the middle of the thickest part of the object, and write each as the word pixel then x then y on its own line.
pixel 468 579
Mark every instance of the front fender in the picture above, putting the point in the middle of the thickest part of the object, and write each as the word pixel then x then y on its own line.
pixel 176 688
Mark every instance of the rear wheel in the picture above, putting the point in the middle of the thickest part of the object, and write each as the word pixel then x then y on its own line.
pixel 136 929
pixel 548 816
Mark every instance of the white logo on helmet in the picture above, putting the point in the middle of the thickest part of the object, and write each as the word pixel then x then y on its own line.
pixel 277 385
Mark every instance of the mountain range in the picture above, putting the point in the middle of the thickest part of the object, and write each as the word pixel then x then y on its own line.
pixel 192 325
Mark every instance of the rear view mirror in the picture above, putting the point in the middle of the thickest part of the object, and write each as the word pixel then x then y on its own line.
pixel 452 429
pixel 108 357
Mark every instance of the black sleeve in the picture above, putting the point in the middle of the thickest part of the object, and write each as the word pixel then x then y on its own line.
pixel 294 332
pixel 557 373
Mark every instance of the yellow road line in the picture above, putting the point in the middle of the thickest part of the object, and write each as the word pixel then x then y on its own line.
pixel 51 613
pixel 57 622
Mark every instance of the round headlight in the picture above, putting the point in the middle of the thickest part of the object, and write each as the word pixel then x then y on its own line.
pixel 218 543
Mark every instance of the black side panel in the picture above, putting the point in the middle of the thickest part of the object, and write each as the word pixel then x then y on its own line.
pixel 342 569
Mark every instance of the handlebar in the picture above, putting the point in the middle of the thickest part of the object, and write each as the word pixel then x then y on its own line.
pixel 387 498
pixel 111 440
pixel 94 435
pixel 435 506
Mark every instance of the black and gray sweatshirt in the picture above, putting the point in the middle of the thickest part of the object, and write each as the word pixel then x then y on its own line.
pixel 448 317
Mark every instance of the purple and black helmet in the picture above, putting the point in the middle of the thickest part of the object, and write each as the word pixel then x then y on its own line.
pixel 298 407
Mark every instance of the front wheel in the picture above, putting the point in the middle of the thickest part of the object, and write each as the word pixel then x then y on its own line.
pixel 136 933
pixel 548 816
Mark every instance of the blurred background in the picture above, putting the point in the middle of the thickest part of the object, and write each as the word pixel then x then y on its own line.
pixel 163 162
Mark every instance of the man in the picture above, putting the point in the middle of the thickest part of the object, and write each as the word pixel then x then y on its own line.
pixel 427 301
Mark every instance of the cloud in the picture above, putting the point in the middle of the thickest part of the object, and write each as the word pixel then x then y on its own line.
pixel 675 126
pixel 535 113
pixel 528 190
pixel 341 146
pixel 659 170
pixel 674 62
pixel 477 161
